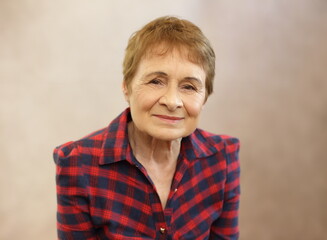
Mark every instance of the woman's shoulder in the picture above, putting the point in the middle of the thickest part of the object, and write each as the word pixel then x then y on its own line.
pixel 72 149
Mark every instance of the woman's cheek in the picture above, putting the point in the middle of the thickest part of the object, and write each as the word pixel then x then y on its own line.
pixel 193 105
pixel 146 98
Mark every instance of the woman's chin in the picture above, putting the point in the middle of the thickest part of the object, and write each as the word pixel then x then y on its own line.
pixel 169 134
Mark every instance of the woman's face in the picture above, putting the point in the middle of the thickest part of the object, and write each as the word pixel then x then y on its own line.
pixel 166 95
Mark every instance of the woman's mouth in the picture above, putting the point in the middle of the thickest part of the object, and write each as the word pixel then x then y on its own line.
pixel 169 119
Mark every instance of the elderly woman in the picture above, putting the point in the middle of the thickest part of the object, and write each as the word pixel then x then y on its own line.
pixel 151 174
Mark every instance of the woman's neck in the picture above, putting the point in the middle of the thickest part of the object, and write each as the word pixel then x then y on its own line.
pixel 149 150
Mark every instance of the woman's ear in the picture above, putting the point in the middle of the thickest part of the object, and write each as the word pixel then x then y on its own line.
pixel 125 91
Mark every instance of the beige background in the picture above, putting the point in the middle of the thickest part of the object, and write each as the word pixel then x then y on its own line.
pixel 60 72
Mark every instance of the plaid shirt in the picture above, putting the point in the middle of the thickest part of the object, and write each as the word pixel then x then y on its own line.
pixel 103 192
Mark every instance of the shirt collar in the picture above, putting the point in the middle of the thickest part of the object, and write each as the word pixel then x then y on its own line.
pixel 198 145
pixel 116 145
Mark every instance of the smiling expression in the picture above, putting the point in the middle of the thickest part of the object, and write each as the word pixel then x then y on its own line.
pixel 166 95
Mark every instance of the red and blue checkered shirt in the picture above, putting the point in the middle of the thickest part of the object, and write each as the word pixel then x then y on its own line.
pixel 103 192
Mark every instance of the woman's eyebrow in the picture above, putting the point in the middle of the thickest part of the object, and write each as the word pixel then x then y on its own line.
pixel 197 80
pixel 163 74
pixel 157 73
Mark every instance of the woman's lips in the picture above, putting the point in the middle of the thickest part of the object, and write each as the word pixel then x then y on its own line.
pixel 170 119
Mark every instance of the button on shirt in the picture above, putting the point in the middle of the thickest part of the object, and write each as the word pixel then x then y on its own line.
pixel 103 192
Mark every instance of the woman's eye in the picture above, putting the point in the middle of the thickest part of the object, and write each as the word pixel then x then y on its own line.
pixel 155 81
pixel 189 87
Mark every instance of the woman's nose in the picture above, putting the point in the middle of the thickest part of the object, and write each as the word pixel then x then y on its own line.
pixel 171 99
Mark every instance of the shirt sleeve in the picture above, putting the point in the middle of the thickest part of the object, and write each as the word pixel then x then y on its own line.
pixel 73 218
pixel 226 227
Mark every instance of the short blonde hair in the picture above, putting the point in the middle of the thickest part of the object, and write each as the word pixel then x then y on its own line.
pixel 172 32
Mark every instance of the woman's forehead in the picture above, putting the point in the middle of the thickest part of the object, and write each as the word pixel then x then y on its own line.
pixel 164 49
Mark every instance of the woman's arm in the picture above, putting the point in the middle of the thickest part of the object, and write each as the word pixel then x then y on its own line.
pixel 226 227
pixel 73 219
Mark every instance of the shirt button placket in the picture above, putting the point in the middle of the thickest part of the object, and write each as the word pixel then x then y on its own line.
pixel 162 230
pixel 163 233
